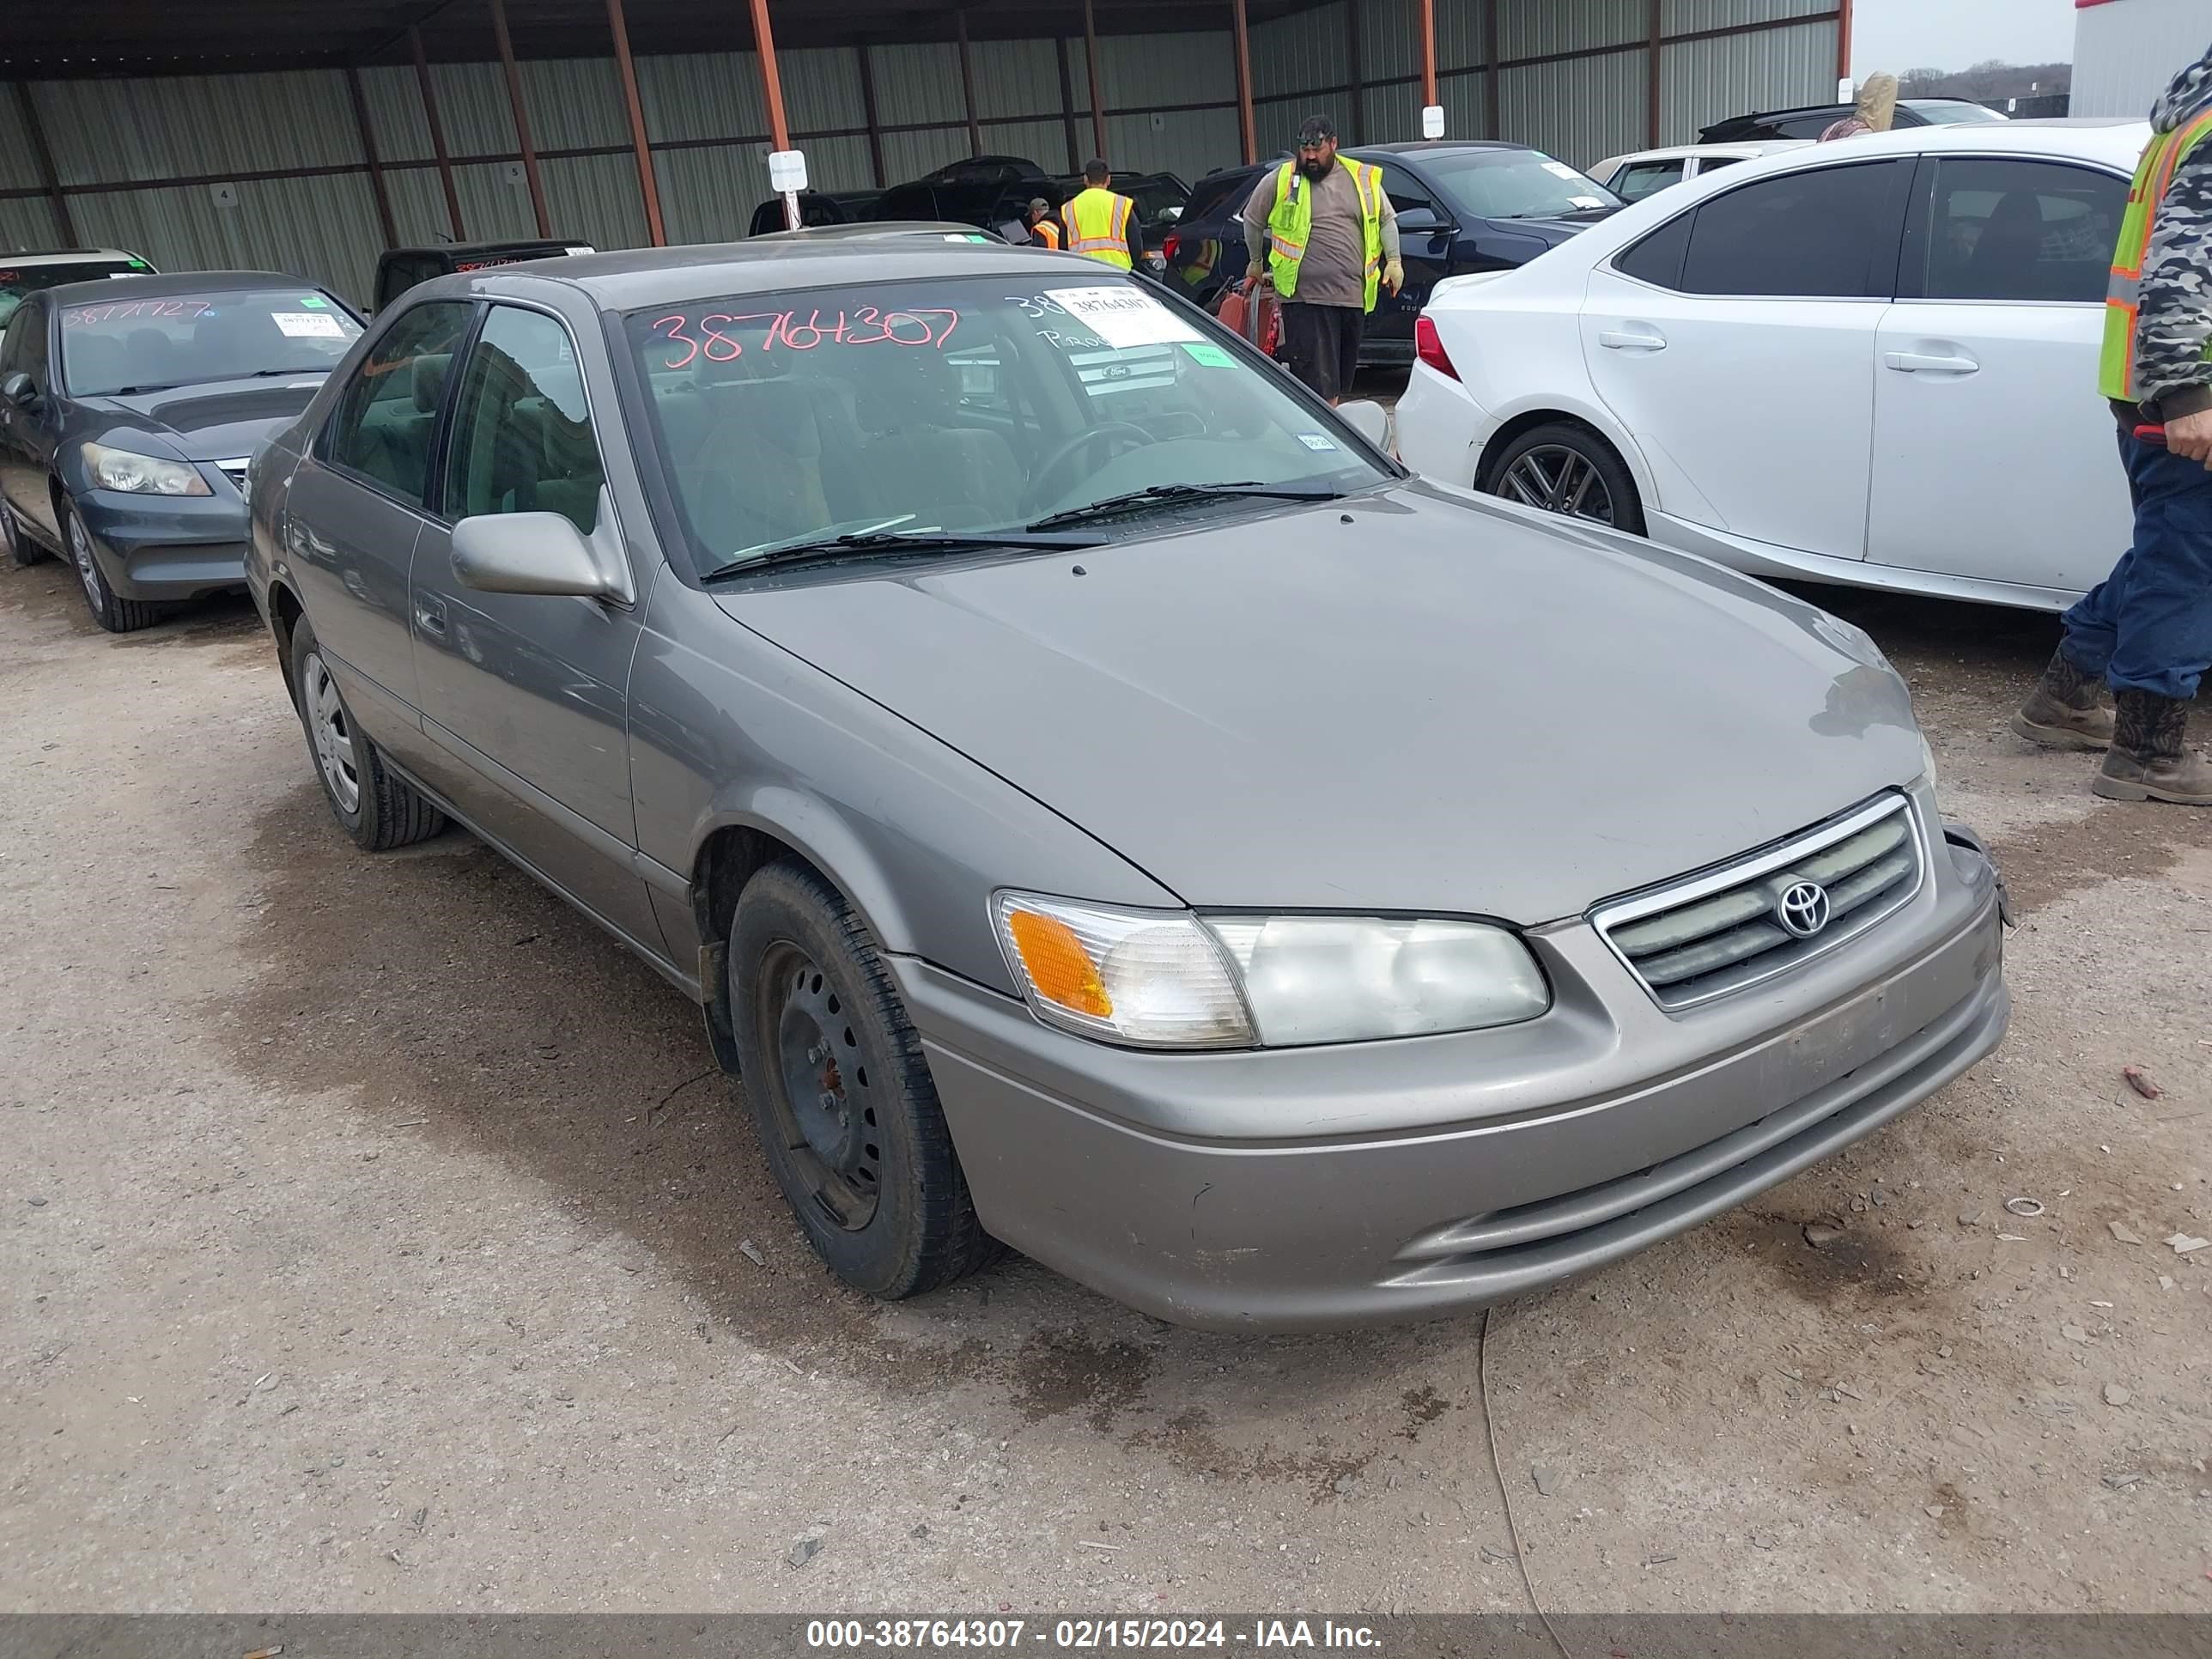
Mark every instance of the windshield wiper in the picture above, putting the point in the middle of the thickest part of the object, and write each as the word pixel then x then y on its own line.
pixel 866 543
pixel 1156 495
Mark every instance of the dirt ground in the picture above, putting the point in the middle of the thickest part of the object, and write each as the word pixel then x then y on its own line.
pixel 372 1235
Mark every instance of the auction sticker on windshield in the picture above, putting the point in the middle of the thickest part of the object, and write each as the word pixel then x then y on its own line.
pixel 1123 316
pixel 308 324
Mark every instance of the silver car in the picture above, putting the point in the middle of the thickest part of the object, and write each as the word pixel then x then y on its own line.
pixel 1100 801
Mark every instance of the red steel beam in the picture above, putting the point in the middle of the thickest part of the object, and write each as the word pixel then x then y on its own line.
pixel 1428 52
pixel 647 185
pixel 772 88
pixel 1091 62
pixel 437 133
pixel 521 116
pixel 50 179
pixel 1843 40
pixel 1244 83
pixel 369 156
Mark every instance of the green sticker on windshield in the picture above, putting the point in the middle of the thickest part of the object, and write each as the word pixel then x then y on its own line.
pixel 137 264
pixel 315 301
pixel 1211 356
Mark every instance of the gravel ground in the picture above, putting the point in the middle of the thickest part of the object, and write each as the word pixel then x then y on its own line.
pixel 372 1235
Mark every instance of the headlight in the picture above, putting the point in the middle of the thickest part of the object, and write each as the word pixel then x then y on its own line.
pixel 1928 761
pixel 1172 980
pixel 142 475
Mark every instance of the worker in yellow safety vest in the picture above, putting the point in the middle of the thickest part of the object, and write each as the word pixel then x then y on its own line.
pixel 2146 630
pixel 1102 224
pixel 1325 230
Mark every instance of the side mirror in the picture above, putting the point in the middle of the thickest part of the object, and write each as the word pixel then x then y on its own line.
pixel 1370 420
pixel 540 553
pixel 1424 221
pixel 18 390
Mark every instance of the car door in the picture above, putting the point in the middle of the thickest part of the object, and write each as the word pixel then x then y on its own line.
pixel 1992 458
pixel 1427 235
pixel 525 695
pixel 1735 345
pixel 24 426
pixel 355 507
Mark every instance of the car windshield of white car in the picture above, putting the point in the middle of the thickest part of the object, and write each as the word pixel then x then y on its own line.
pixel 961 407
pixel 127 346
pixel 16 281
pixel 1516 183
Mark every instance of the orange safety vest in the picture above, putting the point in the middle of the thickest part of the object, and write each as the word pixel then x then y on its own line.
pixel 1045 232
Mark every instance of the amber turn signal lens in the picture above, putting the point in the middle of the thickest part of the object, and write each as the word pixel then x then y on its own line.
pixel 1059 967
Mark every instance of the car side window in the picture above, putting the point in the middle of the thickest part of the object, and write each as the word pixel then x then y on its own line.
pixel 1712 164
pixel 2038 231
pixel 1405 190
pixel 387 416
pixel 1641 179
pixel 1822 233
pixel 15 344
pixel 1657 258
pixel 522 438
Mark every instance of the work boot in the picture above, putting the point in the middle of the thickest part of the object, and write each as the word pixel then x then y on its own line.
pixel 2066 710
pixel 2150 758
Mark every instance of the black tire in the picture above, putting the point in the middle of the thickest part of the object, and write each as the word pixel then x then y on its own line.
pixel 109 608
pixel 877 1187
pixel 22 549
pixel 385 811
pixel 1548 464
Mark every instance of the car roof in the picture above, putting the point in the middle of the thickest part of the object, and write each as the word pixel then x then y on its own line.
pixel 2117 142
pixel 482 247
pixel 1746 148
pixel 885 227
pixel 120 288
pixel 763 264
pixel 72 256
pixel 1431 147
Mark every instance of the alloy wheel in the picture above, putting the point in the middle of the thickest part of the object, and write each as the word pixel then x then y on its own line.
pixel 1557 479
pixel 333 734
pixel 820 1093
pixel 87 572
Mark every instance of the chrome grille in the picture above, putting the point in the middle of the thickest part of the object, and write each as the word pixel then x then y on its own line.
pixel 236 471
pixel 1701 938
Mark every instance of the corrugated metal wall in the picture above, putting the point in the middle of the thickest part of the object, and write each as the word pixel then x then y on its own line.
pixel 2125 52
pixel 1173 95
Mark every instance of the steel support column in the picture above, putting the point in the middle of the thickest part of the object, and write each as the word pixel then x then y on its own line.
pixel 1428 52
pixel 1490 55
pixel 1355 47
pixel 772 88
pixel 647 185
pixel 521 116
pixel 1244 83
pixel 43 160
pixel 968 84
pixel 369 154
pixel 1067 106
pixel 1091 62
pixel 1652 54
pixel 868 111
pixel 1842 40
pixel 437 133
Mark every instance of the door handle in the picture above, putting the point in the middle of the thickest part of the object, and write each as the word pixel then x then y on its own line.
pixel 1621 340
pixel 430 614
pixel 1915 363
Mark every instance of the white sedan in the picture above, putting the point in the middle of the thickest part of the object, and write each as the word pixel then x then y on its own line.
pixel 1871 361
pixel 1647 172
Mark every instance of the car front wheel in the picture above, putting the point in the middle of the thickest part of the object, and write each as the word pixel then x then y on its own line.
pixel 840 1094
pixel 378 809
pixel 109 608
pixel 1570 470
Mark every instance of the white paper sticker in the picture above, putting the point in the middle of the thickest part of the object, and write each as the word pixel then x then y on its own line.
pixel 1561 169
pixel 1315 441
pixel 308 324
pixel 1124 316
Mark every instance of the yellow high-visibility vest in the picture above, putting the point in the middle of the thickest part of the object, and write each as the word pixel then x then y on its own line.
pixel 1292 222
pixel 1098 227
pixel 2162 156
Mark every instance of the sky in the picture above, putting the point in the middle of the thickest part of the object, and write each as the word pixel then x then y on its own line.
pixel 1949 35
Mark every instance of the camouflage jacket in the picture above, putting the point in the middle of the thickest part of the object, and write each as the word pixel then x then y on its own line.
pixel 2176 319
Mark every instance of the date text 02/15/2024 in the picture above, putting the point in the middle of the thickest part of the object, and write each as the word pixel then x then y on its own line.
pixel 1084 1635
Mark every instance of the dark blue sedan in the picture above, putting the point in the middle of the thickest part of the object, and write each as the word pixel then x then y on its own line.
pixel 1463 206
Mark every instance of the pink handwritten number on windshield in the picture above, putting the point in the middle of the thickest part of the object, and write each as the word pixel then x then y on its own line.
pixel 913 328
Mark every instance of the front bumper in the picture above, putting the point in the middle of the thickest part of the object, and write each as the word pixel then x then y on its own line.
pixel 166 547
pixel 1305 1189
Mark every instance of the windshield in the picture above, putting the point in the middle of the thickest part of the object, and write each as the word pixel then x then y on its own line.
pixel 1516 183
pixel 1947 114
pixel 957 406
pixel 15 282
pixel 190 339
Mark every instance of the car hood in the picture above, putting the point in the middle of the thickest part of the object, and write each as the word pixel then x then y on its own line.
pixel 222 421
pixel 1413 702
pixel 1555 231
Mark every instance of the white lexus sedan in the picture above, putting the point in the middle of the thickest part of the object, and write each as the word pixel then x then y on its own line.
pixel 1871 361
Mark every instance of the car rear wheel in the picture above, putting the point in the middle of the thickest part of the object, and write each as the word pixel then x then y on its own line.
pixel 840 1094
pixel 378 810
pixel 109 608
pixel 1570 470
pixel 22 549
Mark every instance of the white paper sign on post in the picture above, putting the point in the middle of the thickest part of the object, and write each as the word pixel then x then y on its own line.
pixel 786 170
pixel 1123 316
pixel 1432 121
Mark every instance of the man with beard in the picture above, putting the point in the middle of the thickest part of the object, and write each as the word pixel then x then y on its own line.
pixel 1327 235
pixel 2146 630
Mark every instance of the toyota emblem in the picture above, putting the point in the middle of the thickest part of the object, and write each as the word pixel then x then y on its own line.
pixel 1802 909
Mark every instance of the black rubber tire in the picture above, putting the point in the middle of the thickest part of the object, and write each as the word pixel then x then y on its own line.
pixel 391 812
pixel 923 1232
pixel 109 608
pixel 1621 485
pixel 22 549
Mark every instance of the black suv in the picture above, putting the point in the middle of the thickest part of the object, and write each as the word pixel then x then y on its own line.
pixel 1463 206
pixel 1814 120
pixel 401 268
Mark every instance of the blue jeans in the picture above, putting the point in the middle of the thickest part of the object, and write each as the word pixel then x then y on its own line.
pixel 2147 627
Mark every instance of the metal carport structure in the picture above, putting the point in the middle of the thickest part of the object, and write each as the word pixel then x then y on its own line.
pixel 309 136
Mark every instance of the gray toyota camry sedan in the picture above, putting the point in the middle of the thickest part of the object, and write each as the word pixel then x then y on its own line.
pixel 1100 802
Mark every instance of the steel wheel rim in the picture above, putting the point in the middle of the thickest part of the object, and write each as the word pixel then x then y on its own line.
pixel 819 1092
pixel 80 556
pixel 1557 479
pixel 332 735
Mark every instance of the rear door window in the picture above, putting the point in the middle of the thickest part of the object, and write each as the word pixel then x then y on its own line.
pixel 1825 233
pixel 386 419
pixel 2014 230
pixel 1641 179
